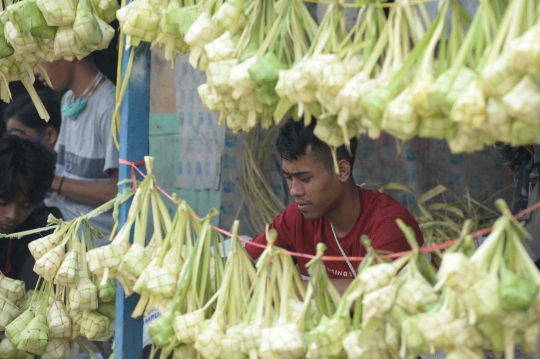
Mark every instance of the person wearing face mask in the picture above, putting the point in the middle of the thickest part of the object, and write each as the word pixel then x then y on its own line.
pixel 26 173
pixel 22 119
pixel 87 158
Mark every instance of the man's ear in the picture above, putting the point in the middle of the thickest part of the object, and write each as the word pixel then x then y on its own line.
pixel 51 136
pixel 344 171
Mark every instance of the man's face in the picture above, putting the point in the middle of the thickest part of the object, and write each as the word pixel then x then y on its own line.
pixel 60 74
pixel 19 129
pixel 314 188
pixel 47 138
pixel 13 214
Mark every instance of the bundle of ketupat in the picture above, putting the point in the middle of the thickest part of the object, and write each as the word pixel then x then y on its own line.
pixel 480 299
pixel 120 259
pixel 38 31
pixel 68 303
pixel 394 71
pixel 196 291
pixel 484 298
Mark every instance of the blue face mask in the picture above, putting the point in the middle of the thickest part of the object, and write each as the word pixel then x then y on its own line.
pixel 40 138
pixel 73 110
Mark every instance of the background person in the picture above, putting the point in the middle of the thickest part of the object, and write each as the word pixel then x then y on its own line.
pixel 87 161
pixel 26 173
pixel 22 118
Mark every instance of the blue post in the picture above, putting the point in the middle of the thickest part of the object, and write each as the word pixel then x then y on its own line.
pixel 134 131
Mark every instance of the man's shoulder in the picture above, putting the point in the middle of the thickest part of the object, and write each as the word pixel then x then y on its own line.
pixel 39 216
pixel 382 205
pixel 105 96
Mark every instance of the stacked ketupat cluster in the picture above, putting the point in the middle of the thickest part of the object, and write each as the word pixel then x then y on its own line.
pixel 124 261
pixel 403 308
pixel 177 269
pixel 398 72
pixel 482 298
pixel 37 31
pixel 241 44
pixel 185 288
pixel 68 304
pixel 12 299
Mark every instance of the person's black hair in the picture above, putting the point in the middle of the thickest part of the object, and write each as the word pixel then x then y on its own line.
pixel 294 138
pixel 23 110
pixel 26 168
pixel 106 60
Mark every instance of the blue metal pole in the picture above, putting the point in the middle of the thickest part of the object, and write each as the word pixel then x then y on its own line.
pixel 134 145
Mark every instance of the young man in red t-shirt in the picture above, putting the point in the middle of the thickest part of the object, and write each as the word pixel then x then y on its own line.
pixel 330 207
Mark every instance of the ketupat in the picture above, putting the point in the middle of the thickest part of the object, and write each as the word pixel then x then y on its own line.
pixel 37 31
pixel 9 351
pixel 391 300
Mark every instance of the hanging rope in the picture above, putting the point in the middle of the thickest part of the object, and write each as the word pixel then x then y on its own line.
pixel 429 249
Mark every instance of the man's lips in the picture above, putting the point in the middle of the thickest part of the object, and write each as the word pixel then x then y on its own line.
pixel 6 228
pixel 302 205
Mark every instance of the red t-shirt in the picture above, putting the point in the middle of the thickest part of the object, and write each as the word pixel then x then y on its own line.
pixel 377 220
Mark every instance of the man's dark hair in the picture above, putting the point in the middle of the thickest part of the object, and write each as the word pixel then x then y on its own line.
pixel 26 167
pixel 294 138
pixel 23 110
pixel 106 59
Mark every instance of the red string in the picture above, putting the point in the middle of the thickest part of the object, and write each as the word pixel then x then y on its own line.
pixel 133 168
pixel 429 249
pixel 7 267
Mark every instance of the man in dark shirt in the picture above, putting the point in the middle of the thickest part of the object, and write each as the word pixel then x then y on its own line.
pixel 26 173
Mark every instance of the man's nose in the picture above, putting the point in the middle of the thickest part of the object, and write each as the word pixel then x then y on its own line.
pixel 296 189
pixel 10 212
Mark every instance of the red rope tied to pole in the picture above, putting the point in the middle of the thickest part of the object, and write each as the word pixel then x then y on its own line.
pixel 133 166
pixel 429 249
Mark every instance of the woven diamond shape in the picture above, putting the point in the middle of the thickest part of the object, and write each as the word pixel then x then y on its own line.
pixel 434 327
pixel 87 30
pixel 35 338
pixel 185 326
pixel 58 320
pixel 56 12
pixel 29 19
pixel 48 265
pixel 8 350
pixel 208 343
pixel 16 327
pixel 8 312
pixel 106 9
pixel 141 23
pixel 84 297
pixel 57 348
pixel 14 290
pixel 94 325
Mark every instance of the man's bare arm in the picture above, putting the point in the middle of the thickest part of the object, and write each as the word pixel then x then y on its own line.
pixel 90 193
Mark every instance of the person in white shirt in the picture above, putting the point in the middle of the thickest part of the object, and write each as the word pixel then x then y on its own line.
pixel 87 162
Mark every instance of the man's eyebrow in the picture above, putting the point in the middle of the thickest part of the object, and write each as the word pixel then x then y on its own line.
pixel 295 174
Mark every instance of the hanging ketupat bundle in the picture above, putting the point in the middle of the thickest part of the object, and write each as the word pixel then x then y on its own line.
pixel 38 31
pixel 66 304
pixel 381 75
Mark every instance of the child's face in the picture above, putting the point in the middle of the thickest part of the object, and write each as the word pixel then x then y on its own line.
pixel 13 214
